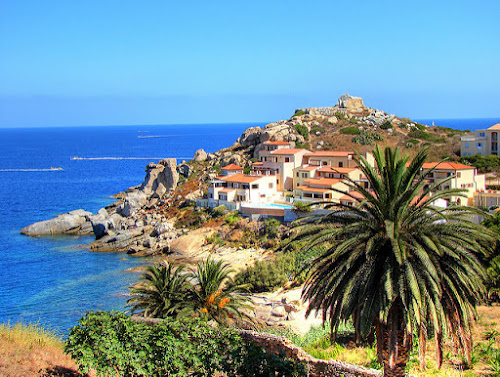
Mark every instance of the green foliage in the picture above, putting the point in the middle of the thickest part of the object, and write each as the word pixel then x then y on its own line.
pixel 114 345
pixel 484 164
pixel 299 113
pixel 215 239
pixel 271 228
pixel 254 159
pixel 160 292
pixel 367 138
pixel 232 218
pixel 219 211
pixel 268 275
pixel 386 125
pixel 247 170
pixel 423 135
pixel 302 130
pixel 302 206
pixel 340 116
pixel 301 145
pixel 350 131
pixel 394 254
pixel 317 128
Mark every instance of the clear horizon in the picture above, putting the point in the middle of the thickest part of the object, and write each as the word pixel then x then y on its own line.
pixel 120 63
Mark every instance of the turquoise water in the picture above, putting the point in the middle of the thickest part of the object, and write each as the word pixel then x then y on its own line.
pixel 54 280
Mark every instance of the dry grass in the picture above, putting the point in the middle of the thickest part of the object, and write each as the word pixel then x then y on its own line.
pixel 488 321
pixel 29 350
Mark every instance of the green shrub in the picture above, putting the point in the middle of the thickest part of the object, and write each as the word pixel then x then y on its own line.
pixel 271 229
pixel 247 170
pixel 340 115
pixel 219 211
pixel 484 164
pixel 268 275
pixel 299 113
pixel 232 218
pixel 367 138
pixel 302 145
pixel 423 135
pixel 350 131
pixel 302 130
pixel 386 125
pixel 113 344
pixel 301 206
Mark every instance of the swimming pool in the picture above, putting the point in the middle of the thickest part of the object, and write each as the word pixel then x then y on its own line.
pixel 271 205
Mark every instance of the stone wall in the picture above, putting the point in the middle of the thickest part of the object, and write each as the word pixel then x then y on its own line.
pixel 279 345
pixel 316 367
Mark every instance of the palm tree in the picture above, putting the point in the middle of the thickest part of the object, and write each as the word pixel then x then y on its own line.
pixel 215 296
pixel 395 263
pixel 161 291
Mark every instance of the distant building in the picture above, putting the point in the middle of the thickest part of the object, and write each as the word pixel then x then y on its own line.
pixel 462 177
pixel 483 142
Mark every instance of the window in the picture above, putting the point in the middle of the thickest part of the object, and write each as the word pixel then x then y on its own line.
pixel 479 145
pixel 466 145
pixel 277 181
pixel 459 174
pixel 255 186
pixel 287 159
pixel 210 196
pixel 297 184
pixel 304 175
pixel 341 164
pixel 297 174
pixel 325 163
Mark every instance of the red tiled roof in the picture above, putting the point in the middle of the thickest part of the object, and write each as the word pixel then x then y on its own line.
pixel 258 163
pixel 312 189
pixel 446 166
pixel 290 151
pixel 277 143
pixel 322 181
pixel 232 167
pixel 226 190
pixel 308 168
pixel 329 154
pixel 356 195
pixel 495 127
pixel 240 178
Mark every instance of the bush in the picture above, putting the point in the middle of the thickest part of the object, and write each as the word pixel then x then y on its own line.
pixel 232 218
pixel 247 170
pixel 367 138
pixel 301 206
pixel 340 116
pixel 302 130
pixel 271 228
pixel 299 113
pixel 302 145
pixel 484 164
pixel 386 125
pixel 350 131
pixel 219 211
pixel 113 344
pixel 423 135
pixel 268 275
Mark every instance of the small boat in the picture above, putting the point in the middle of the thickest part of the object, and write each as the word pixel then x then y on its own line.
pixel 56 169
pixel 76 158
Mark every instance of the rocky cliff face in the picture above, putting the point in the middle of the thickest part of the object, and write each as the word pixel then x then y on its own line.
pixel 125 225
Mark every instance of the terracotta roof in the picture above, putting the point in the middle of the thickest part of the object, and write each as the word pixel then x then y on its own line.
pixel 356 195
pixel 277 143
pixel 290 151
pixel 257 163
pixel 240 178
pixel 332 169
pixel 446 166
pixel 232 167
pixel 329 154
pixel 495 127
pixel 312 189
pixel 226 190
pixel 308 168
pixel 322 181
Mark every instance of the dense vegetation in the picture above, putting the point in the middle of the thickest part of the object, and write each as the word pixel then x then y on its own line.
pixel 207 292
pixel 112 344
pixel 393 268
pixel 484 164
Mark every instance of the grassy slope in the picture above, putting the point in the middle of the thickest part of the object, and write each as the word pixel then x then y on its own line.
pixel 29 350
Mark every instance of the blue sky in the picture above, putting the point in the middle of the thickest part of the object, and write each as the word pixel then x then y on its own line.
pixel 160 62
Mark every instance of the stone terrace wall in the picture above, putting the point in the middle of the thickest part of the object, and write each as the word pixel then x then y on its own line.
pixel 316 367
pixel 279 345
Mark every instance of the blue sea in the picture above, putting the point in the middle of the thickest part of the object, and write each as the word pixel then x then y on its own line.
pixel 54 280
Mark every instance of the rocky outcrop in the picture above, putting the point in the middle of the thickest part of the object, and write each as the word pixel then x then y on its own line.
pixel 346 101
pixel 74 222
pixel 200 155
pixel 160 178
pixel 250 137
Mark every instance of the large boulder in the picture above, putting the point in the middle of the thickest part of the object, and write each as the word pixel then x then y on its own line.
pixel 160 178
pixel 346 101
pixel 68 223
pixel 200 155
pixel 250 136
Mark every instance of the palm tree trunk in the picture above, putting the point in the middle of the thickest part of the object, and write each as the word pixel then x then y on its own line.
pixel 395 348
